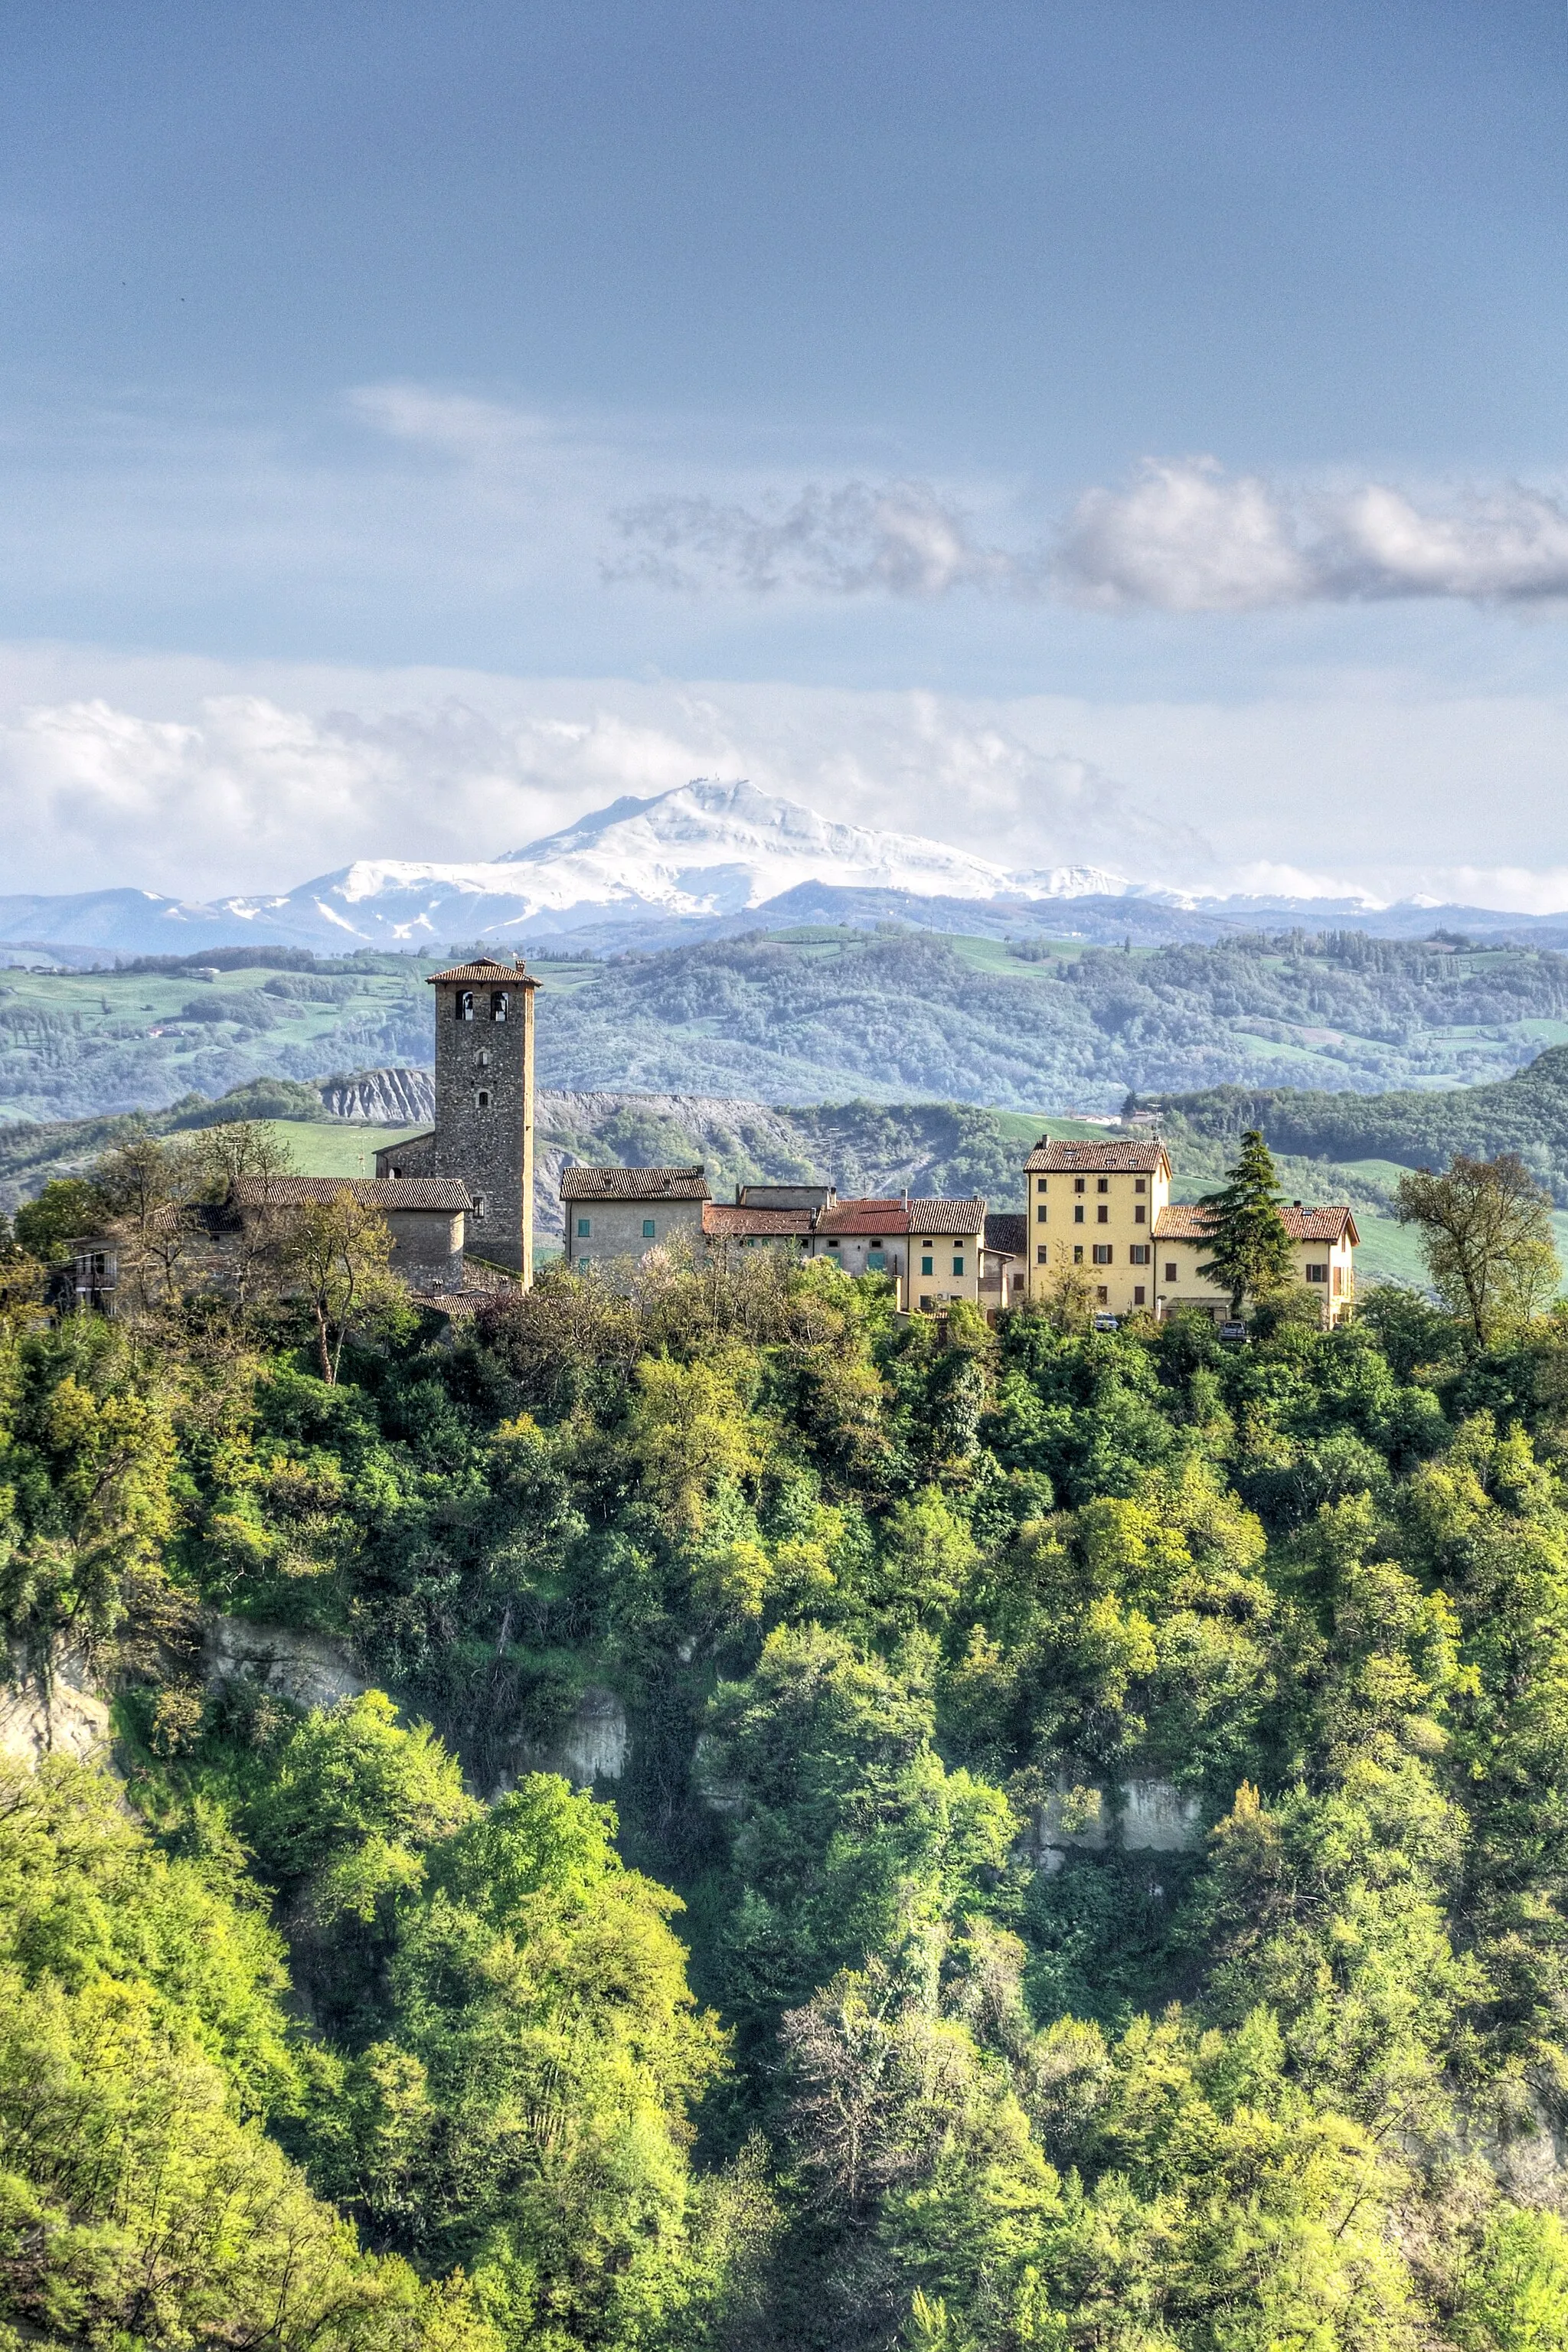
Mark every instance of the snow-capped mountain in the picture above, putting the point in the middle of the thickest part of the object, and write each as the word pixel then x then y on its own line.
pixel 706 850
pixel 705 859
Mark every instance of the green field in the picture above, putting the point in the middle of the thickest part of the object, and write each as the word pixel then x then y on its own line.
pixel 335 1147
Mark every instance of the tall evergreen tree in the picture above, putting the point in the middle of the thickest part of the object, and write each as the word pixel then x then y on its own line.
pixel 1252 1249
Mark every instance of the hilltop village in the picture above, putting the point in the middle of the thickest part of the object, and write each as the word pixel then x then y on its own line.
pixel 1103 1206
pixel 458 1201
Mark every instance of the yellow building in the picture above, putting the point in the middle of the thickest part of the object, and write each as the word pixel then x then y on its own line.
pixel 1323 1243
pixel 1096 1205
pixel 1107 1208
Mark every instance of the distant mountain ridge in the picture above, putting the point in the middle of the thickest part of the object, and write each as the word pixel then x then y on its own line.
pixel 706 860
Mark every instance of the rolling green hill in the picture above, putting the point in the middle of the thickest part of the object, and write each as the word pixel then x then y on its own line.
pixel 816 1015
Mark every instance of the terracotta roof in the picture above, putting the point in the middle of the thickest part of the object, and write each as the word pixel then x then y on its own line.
pixel 386 1192
pixel 962 1217
pixel 486 971
pixel 1185 1221
pixel 1006 1230
pixel 760 1224
pixel 853 1218
pixel 634 1184
pixel 1049 1159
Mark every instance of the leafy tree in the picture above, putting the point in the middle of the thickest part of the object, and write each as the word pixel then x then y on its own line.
pixel 66 1207
pixel 1249 1252
pixel 141 2039
pixel 1486 1233
pixel 335 1254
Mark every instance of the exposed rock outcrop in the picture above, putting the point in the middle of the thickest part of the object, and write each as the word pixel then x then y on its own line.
pixel 383 1098
pixel 308 1669
pixel 70 1718
pixel 1141 1816
pixel 590 1749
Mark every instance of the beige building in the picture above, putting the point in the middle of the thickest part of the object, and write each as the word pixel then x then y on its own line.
pixel 1324 1244
pixel 619 1212
pixel 946 1246
pixel 1096 1205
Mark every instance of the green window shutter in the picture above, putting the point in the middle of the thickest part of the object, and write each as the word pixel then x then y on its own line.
pixel 928 1265
pixel 647 1229
pixel 583 1228
pixel 958 1265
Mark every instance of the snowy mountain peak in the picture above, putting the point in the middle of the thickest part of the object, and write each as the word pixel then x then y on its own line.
pixel 717 847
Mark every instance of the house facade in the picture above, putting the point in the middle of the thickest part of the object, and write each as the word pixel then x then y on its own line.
pixel 1096 1206
pixel 621 1212
pixel 1323 1249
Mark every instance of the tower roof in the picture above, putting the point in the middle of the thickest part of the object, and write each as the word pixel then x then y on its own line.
pixel 485 970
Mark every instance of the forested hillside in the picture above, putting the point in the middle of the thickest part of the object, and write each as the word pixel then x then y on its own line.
pixel 1527 1113
pixel 1087 1860
pixel 814 1016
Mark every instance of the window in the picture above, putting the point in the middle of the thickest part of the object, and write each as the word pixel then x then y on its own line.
pixel 1170 1269
pixel 925 1302
pixel 1078 1253
pixel 500 1005
pixel 647 1229
pixel 1103 1185
pixel 1043 1185
pixel 483 1098
pixel 1078 1214
pixel 1102 1252
pixel 958 1265
pixel 479 1204
pixel 1078 1183
pixel 1139 1299
pixel 584 1228
pixel 482 1058
pixel 1042 1214
pixel 1102 1216
pixel 928 1265
pixel 1316 1273
pixel 1139 1185
pixel 1039 1254
pixel 875 1260
pixel 1103 1295
pixel 1139 1214
pixel 1339 1281
pixel 466 1004
pixel 833 1240
pixel 1139 1254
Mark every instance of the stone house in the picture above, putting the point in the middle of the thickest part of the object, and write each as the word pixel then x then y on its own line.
pixel 426 1218
pixel 619 1212
pixel 1004 1268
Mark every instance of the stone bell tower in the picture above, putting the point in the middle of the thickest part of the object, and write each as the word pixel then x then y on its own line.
pixel 484 1104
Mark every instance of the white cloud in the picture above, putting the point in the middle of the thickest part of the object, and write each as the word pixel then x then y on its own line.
pixel 1187 538
pixel 904 538
pixel 1183 537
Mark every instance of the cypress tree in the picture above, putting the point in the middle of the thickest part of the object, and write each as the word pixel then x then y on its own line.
pixel 1252 1249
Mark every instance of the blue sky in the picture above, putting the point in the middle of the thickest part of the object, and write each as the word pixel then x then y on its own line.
pixel 1171 391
